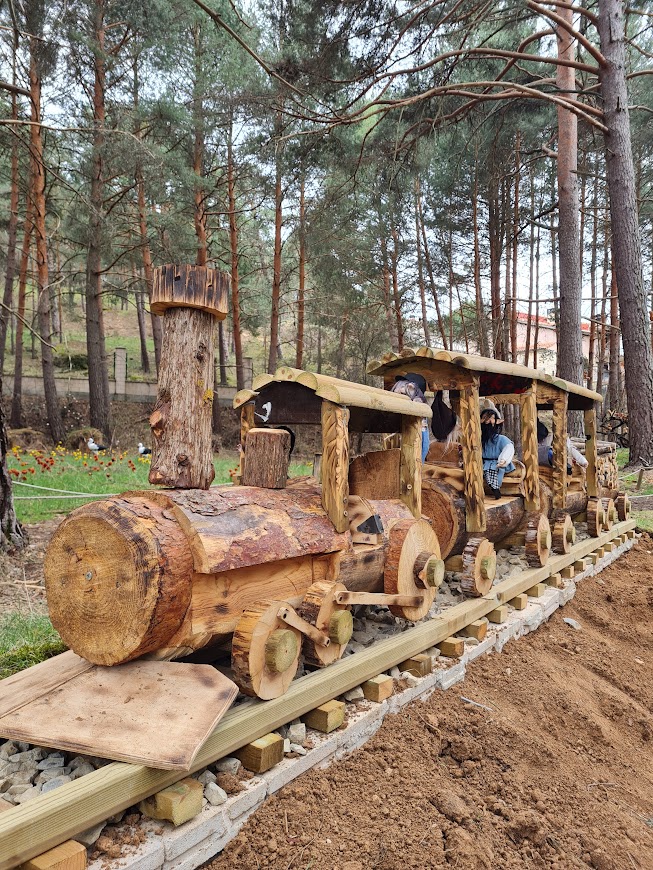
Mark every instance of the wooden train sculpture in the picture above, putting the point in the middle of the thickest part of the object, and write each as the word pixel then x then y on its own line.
pixel 275 564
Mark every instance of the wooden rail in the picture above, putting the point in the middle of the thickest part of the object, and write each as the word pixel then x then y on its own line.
pixel 32 828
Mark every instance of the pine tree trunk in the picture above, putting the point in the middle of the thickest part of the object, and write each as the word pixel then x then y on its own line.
pixel 98 375
pixel 11 534
pixel 429 269
pixel 420 267
pixel 12 232
pixel 142 333
pixel 495 238
pixel 627 258
pixel 276 266
pixel 615 353
pixel 16 417
pixel 387 305
pixel 43 293
pixel 233 244
pixel 394 259
pixel 301 289
pixel 570 345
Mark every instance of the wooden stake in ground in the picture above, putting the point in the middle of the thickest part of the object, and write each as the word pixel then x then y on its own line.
pixel 191 299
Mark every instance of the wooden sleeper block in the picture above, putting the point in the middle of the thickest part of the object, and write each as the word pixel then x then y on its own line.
pixel 519 602
pixel 499 614
pixel 555 581
pixel 70 855
pixel 593 558
pixel 567 572
pixel 477 629
pixel 609 547
pixel 420 665
pixel 327 717
pixel 600 552
pixel 631 534
pixel 378 688
pixel 453 647
pixel 262 754
pixel 177 803
pixel 536 591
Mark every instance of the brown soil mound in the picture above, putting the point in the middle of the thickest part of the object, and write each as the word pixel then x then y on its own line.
pixel 557 773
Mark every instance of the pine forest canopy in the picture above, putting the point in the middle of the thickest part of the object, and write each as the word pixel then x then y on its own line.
pixel 371 175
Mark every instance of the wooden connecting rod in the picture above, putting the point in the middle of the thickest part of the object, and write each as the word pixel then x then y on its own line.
pixel 380 598
pixel 290 616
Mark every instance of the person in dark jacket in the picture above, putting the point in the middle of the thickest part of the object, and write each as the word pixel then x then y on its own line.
pixel 414 386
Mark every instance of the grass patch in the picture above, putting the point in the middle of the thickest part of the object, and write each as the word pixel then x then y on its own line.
pixel 622 456
pixel 80 472
pixel 644 520
pixel 26 640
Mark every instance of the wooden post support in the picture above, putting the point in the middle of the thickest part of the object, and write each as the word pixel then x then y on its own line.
pixel 560 451
pixel 410 464
pixel 335 464
pixel 568 572
pixel 555 581
pixel 262 754
pixel 631 534
pixel 529 448
pixel 609 547
pixel 470 423
pixel 499 614
pixel 266 458
pixel 590 451
pixel 191 299
pixel 477 629
pixel 378 688
pixel 536 591
pixel 452 647
pixel 579 566
pixel 327 717
pixel 519 602
pixel 600 552
pixel 418 665
pixel 70 855
pixel 177 804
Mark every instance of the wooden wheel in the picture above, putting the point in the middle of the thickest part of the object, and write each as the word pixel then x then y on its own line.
pixel 264 651
pixel 622 504
pixel 595 517
pixel 412 543
pixel 564 533
pixel 320 609
pixel 538 539
pixel 479 566
pixel 609 513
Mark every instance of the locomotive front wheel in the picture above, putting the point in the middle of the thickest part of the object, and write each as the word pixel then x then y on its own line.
pixel 479 566
pixel 595 516
pixel 264 651
pixel 412 543
pixel 319 607
pixel 564 533
pixel 609 513
pixel 538 539
pixel 622 504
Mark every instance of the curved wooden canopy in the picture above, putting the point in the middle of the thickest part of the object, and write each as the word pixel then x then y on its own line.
pixel 496 376
pixel 294 396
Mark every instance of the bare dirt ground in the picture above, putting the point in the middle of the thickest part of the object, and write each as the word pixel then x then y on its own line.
pixel 557 773
pixel 21 574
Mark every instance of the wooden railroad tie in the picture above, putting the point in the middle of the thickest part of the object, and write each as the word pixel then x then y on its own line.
pixel 477 629
pixel 262 754
pixel 70 855
pixel 327 717
pixel 178 803
pixel 536 591
pixel 519 602
pixel 452 647
pixel 555 581
pixel 499 614
pixel 419 665
pixel 568 572
pixel 378 688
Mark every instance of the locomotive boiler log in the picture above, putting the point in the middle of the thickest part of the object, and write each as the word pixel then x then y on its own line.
pixel 164 573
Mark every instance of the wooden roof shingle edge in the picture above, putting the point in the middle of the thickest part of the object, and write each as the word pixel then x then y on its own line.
pixel 339 392
pixel 477 364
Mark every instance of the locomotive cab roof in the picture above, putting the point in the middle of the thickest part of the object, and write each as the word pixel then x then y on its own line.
pixel 295 396
pixel 445 370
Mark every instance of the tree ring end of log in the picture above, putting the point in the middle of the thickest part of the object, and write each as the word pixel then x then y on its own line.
pixel 281 649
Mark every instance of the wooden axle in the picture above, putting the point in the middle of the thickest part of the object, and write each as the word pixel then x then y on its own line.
pixel 379 598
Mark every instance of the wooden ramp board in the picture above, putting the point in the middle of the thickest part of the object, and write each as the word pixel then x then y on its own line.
pixel 152 713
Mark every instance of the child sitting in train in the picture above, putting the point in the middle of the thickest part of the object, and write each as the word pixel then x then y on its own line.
pixel 498 450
